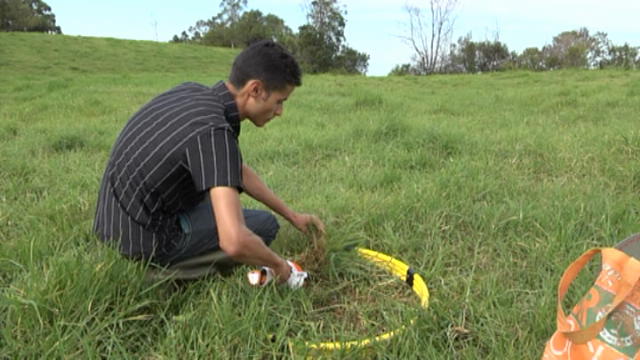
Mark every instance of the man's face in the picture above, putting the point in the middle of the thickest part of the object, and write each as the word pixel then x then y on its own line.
pixel 266 105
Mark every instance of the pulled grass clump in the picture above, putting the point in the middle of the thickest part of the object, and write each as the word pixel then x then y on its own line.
pixel 314 257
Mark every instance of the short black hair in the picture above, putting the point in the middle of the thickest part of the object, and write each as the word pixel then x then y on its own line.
pixel 268 62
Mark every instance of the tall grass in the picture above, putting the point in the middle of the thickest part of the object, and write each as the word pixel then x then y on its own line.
pixel 488 185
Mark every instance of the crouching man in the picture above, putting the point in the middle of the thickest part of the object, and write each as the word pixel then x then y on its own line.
pixel 171 190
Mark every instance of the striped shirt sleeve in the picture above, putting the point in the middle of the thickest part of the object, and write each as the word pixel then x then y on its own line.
pixel 214 159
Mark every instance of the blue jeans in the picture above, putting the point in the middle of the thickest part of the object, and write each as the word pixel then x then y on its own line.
pixel 200 233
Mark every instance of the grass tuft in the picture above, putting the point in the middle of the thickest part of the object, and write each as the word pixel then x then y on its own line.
pixel 68 142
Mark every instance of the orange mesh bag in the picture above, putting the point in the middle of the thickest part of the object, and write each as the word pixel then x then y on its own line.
pixel 605 324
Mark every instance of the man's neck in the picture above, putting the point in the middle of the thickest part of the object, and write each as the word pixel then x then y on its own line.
pixel 240 98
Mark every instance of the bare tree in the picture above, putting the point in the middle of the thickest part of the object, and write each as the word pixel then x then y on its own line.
pixel 430 34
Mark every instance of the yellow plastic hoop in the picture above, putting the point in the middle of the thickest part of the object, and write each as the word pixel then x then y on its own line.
pixel 397 268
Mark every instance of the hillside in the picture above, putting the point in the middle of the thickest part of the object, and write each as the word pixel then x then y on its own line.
pixel 488 185
pixel 55 55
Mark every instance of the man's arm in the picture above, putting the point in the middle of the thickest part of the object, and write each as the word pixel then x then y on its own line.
pixel 257 189
pixel 236 240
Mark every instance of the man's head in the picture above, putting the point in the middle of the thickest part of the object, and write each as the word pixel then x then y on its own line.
pixel 263 76
pixel 268 62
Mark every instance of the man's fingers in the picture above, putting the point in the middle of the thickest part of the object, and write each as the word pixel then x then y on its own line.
pixel 310 224
pixel 317 223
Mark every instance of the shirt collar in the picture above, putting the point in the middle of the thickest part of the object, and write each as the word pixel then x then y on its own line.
pixel 231 112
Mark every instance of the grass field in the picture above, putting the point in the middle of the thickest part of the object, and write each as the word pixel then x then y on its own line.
pixel 488 185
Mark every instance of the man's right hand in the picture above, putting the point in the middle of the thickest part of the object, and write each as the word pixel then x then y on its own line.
pixel 283 272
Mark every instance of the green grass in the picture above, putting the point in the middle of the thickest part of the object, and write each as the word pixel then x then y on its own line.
pixel 488 185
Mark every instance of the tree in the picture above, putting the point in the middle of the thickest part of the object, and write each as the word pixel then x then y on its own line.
pixel 183 38
pixel 27 15
pixel 469 56
pixel 599 50
pixel 624 56
pixel 429 35
pixel 320 45
pixel 194 33
pixel 250 27
pixel 319 41
pixel 531 59
pixel 578 48
pixel 224 29
pixel 462 57
pixel 312 51
pixel 327 18
pixel 570 49
pixel 491 55
pixel 404 69
pixel 233 27
pixel 231 11
pixel 351 61
pixel 229 14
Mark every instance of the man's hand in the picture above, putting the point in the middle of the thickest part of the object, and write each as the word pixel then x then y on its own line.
pixel 282 271
pixel 307 223
pixel 257 189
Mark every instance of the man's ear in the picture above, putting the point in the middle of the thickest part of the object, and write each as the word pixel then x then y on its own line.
pixel 254 88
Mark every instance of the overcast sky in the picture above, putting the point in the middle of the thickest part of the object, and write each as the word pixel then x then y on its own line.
pixel 373 26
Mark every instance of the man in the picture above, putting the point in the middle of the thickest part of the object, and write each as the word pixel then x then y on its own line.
pixel 170 192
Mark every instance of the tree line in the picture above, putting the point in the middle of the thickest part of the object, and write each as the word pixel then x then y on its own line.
pixel 319 45
pixel 429 36
pixel 569 49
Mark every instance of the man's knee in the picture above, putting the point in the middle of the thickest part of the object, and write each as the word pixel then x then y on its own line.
pixel 262 223
pixel 271 228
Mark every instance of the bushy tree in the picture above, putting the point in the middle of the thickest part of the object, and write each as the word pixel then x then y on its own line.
pixel 469 54
pixel 233 27
pixel 195 33
pixel 250 27
pixel 404 69
pixel 312 51
pixel 327 18
pixel 470 57
pixel 579 49
pixel 599 50
pixel 491 55
pixel 27 15
pixel 231 11
pixel 351 61
pixel 623 56
pixel 462 56
pixel 183 38
pixel 320 44
pixel 531 59
pixel 569 49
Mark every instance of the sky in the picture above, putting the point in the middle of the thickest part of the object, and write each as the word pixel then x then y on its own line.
pixel 374 27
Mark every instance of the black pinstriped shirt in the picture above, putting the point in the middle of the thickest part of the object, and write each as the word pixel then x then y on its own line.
pixel 168 155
